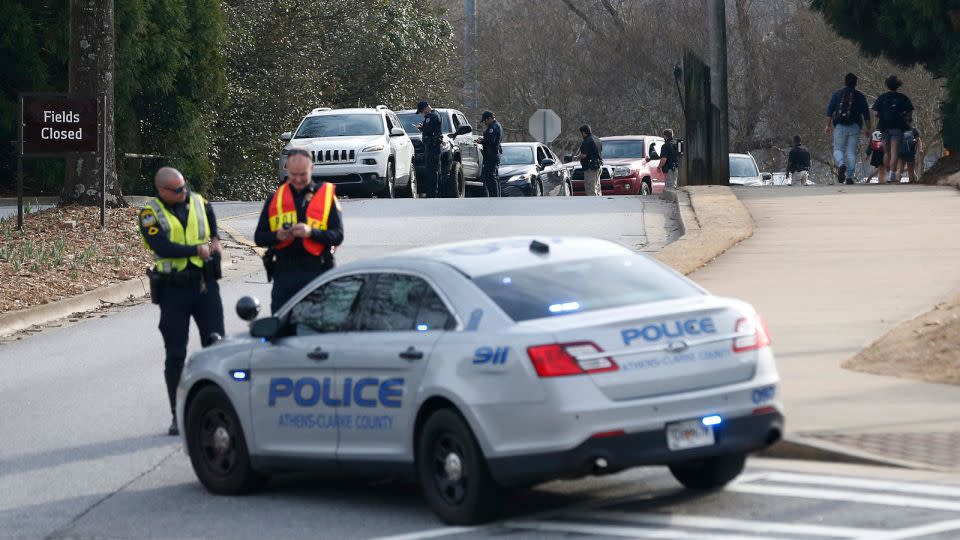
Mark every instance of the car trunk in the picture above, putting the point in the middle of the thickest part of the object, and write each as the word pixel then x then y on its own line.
pixel 662 348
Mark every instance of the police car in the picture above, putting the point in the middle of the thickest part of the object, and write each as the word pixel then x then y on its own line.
pixel 483 366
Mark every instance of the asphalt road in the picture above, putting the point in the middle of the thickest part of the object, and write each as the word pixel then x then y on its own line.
pixel 82 412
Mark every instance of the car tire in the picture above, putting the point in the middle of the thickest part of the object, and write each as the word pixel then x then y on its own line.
pixel 389 189
pixel 645 188
pixel 453 186
pixel 709 473
pixel 411 191
pixel 217 446
pixel 453 473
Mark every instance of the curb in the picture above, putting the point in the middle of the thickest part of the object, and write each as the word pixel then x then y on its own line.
pixel 16 321
pixel 713 220
pixel 808 449
pixel 241 239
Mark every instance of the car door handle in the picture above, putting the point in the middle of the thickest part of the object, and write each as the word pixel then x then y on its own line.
pixel 318 354
pixel 411 354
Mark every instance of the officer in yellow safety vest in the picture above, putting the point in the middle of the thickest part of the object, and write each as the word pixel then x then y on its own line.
pixel 180 230
pixel 301 224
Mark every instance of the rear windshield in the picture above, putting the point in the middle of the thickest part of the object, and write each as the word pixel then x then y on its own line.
pixel 556 289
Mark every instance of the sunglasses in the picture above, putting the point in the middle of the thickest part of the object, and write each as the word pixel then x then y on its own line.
pixel 177 190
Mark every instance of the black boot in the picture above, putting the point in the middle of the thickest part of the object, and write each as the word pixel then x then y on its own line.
pixel 174 430
pixel 841 174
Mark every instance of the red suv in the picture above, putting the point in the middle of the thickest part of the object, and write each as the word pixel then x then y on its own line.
pixel 627 167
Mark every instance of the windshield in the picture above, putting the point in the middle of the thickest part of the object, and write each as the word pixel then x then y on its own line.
pixel 555 289
pixel 410 121
pixel 743 166
pixel 622 149
pixel 340 125
pixel 516 155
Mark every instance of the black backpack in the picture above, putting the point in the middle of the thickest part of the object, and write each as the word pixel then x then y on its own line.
pixel 891 112
pixel 843 113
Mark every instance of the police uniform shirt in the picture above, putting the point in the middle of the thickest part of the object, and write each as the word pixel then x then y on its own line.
pixel 333 236
pixel 491 139
pixel 159 241
pixel 670 152
pixel 432 126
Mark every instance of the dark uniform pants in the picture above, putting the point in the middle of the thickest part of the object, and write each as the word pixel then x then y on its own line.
pixel 491 176
pixel 431 168
pixel 177 305
pixel 286 284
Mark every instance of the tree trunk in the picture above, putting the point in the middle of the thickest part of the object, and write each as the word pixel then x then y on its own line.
pixel 92 73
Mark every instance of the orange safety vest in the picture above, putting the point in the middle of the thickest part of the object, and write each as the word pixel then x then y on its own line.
pixel 282 211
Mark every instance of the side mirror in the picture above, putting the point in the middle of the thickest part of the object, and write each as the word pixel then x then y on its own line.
pixel 567 158
pixel 547 162
pixel 268 327
pixel 286 136
pixel 397 132
pixel 248 308
pixel 766 176
pixel 464 129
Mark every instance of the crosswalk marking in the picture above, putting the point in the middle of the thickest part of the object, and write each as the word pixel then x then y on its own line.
pixel 919 531
pixel 863 483
pixel 742 525
pixel 849 496
pixel 625 532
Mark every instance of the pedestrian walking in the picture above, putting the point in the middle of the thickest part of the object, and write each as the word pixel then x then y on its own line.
pixel 875 153
pixel 591 159
pixel 893 110
pixel 431 128
pixel 180 230
pixel 798 162
pixel 492 135
pixel 300 224
pixel 669 159
pixel 847 115
pixel 910 148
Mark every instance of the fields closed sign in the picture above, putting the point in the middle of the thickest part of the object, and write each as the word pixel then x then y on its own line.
pixel 59 125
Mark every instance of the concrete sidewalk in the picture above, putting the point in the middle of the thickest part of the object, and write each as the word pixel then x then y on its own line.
pixel 831 269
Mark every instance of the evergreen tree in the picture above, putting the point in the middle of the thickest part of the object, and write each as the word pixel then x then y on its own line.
pixel 909 32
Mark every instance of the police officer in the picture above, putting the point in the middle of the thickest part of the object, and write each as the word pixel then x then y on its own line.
pixel 180 230
pixel 301 224
pixel 669 159
pixel 591 159
pixel 491 152
pixel 431 128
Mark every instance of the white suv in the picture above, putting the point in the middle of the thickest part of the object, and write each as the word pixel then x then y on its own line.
pixel 362 151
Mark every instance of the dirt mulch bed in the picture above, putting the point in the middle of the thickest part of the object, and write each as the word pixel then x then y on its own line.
pixel 926 348
pixel 62 253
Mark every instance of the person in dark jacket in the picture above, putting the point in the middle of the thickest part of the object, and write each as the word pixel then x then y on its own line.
pixel 492 135
pixel 798 162
pixel 591 159
pixel 301 225
pixel 894 114
pixel 670 159
pixel 847 114
pixel 432 131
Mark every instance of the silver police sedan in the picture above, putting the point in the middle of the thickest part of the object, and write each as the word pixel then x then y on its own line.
pixel 483 366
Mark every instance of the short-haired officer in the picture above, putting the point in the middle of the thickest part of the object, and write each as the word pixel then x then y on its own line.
pixel 301 224
pixel 669 159
pixel 180 230
pixel 432 131
pixel 490 140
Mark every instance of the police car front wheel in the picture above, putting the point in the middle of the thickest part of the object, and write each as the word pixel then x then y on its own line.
pixel 453 472
pixel 217 447
pixel 709 473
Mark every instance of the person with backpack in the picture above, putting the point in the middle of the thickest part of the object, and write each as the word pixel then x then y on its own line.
pixel 893 112
pixel 910 147
pixel 798 162
pixel 847 114
pixel 875 153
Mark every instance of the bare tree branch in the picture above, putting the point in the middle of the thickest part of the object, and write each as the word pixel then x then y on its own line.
pixel 582 15
pixel 617 19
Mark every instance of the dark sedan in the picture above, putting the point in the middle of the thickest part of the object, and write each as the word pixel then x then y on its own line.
pixel 530 169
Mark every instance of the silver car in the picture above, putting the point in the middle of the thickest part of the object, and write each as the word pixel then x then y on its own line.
pixel 483 366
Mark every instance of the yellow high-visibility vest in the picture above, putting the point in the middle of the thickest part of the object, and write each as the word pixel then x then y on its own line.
pixel 196 233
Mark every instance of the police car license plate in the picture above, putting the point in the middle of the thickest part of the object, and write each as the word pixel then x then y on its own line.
pixel 689 434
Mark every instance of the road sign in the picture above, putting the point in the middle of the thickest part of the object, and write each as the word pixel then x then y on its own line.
pixel 544 125
pixel 55 125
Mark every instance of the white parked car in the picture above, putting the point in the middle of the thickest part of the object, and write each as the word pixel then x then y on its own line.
pixel 362 151
pixel 744 171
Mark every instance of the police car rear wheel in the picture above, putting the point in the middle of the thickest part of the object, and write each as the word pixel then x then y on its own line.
pixel 453 473
pixel 709 473
pixel 217 447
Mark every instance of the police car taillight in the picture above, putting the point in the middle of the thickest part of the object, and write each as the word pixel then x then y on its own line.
pixel 758 338
pixel 563 359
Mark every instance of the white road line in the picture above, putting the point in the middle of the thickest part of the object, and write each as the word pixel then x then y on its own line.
pixel 742 525
pixel 429 533
pixel 879 485
pixel 919 531
pixel 626 532
pixel 850 496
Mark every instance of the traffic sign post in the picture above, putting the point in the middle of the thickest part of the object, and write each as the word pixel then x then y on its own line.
pixel 544 125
